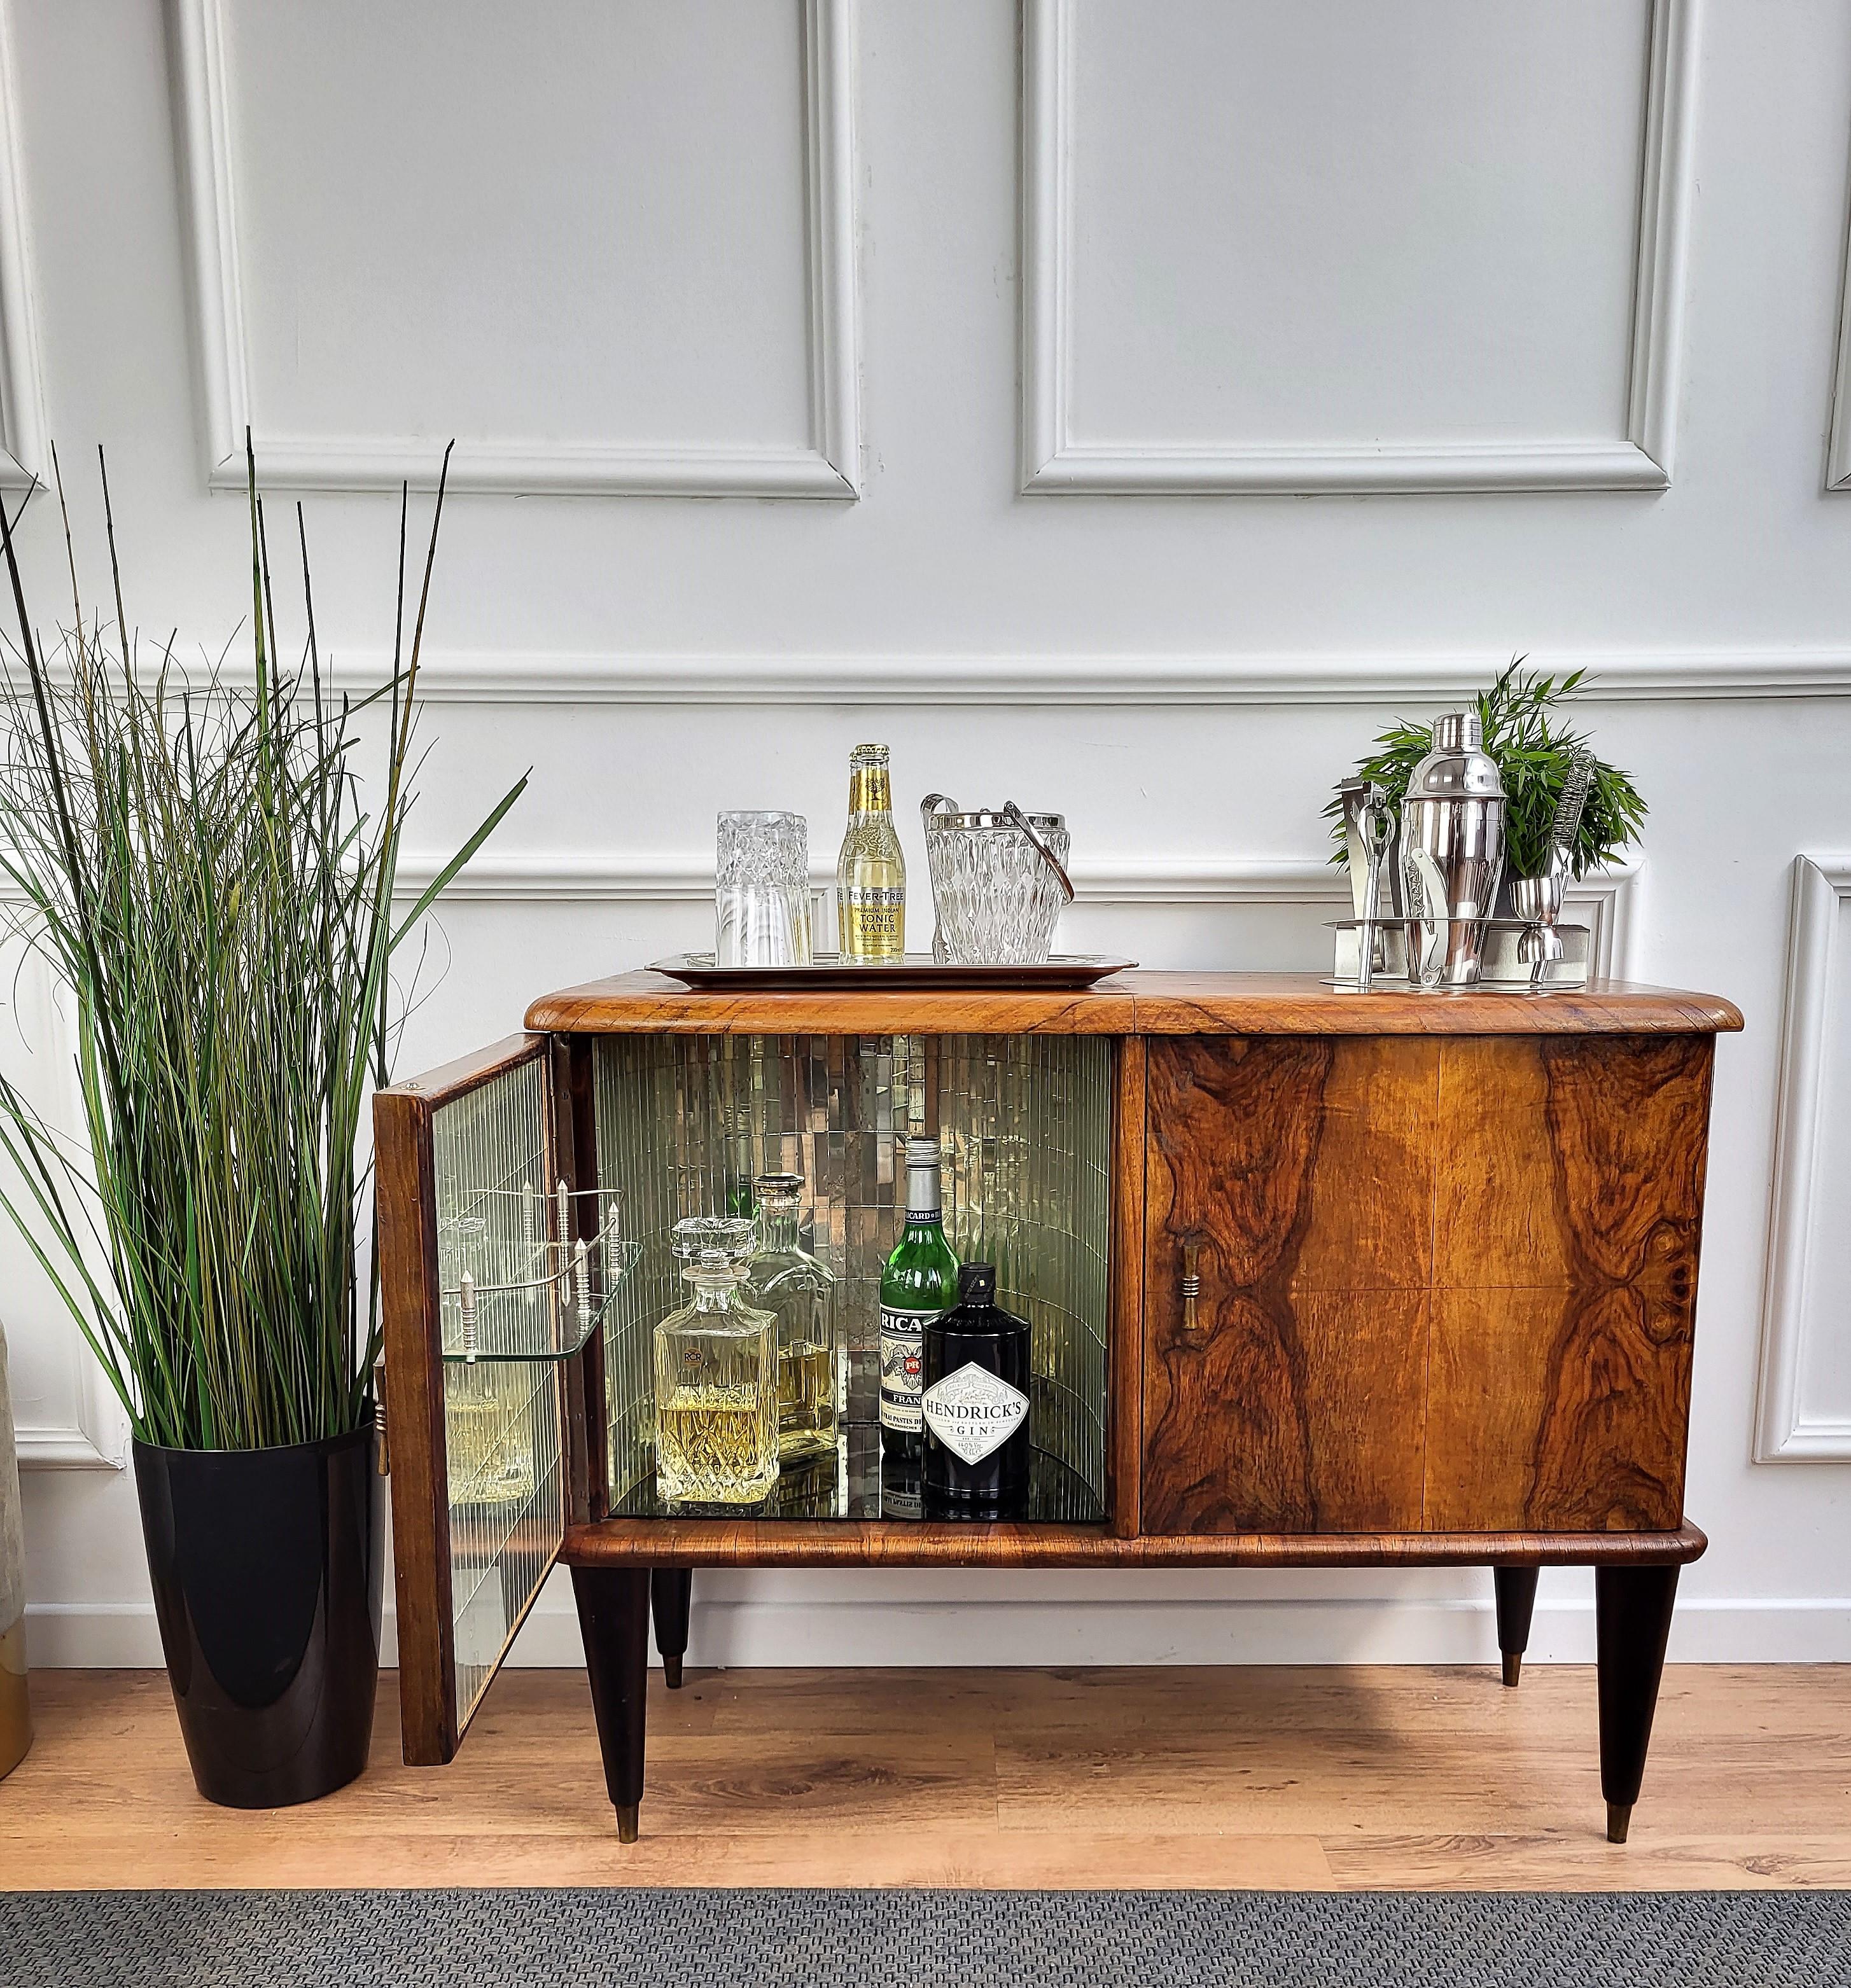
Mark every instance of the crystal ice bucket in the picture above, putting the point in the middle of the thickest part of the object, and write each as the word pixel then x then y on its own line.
pixel 998 882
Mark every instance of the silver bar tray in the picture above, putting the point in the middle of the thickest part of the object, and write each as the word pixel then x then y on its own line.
pixel 829 972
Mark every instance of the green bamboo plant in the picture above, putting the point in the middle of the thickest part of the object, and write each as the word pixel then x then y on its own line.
pixel 194 860
pixel 1525 734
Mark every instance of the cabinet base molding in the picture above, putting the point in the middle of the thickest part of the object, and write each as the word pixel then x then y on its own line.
pixel 689 1542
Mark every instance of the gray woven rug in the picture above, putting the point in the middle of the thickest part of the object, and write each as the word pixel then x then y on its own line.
pixel 924 1939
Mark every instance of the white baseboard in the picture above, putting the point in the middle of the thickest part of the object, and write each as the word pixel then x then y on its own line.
pixel 91 1635
pixel 878 1633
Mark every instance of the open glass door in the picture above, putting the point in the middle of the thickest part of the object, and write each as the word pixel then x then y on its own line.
pixel 494 1272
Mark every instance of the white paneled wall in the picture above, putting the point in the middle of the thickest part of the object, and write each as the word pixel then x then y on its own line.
pixel 1126 406
pixel 1447 238
pixel 584 270
pixel 66 1416
pixel 1805 1375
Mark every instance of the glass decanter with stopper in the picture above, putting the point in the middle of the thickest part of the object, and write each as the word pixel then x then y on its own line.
pixel 801 1293
pixel 716 1378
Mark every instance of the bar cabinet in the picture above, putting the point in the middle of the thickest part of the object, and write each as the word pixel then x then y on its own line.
pixel 1315 1278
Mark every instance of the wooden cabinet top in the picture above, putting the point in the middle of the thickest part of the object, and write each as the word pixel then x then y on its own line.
pixel 1131 1004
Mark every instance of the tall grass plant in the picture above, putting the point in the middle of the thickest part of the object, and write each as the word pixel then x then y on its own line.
pixel 199 862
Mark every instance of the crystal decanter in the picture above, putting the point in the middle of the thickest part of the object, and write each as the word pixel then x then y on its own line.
pixel 716 1375
pixel 786 1280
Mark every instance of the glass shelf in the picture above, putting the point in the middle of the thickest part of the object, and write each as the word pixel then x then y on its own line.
pixel 545 1318
pixel 850 1485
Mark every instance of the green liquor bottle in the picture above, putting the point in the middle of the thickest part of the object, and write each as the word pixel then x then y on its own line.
pixel 919 1284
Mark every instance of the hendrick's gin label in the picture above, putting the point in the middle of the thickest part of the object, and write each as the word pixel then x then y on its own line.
pixel 974 1405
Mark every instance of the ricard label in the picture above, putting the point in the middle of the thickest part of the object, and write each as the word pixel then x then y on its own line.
pixel 973 1412
pixel 902 1357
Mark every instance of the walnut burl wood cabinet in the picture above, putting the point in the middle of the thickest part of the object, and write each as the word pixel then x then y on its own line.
pixel 1314 1278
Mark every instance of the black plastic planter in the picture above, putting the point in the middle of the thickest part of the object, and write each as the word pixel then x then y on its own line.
pixel 266 1567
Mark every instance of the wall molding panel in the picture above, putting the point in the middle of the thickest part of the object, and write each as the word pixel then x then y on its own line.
pixel 22 422
pixel 574 877
pixel 96 1435
pixel 829 468
pixel 81 1425
pixel 1640 459
pixel 1132 681
pixel 1608 901
pixel 581 877
pixel 1787 1430
pixel 1838 444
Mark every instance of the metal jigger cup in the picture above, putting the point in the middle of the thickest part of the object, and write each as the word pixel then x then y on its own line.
pixel 1538 900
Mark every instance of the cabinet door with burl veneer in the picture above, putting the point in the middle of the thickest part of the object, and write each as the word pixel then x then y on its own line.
pixel 1567 1215
pixel 1288 1274
pixel 1400 1284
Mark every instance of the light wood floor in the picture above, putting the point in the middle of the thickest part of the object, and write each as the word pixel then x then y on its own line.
pixel 1227 1776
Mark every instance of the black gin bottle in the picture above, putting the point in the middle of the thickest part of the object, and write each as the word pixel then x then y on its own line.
pixel 974 1404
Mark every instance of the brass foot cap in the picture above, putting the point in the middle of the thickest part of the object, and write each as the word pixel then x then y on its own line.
pixel 672 1672
pixel 1620 1820
pixel 626 1822
pixel 1513 1668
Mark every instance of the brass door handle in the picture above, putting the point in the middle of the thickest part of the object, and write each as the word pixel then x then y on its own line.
pixel 1192 1285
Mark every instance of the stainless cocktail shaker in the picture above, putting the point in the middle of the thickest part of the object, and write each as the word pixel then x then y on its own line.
pixel 1452 853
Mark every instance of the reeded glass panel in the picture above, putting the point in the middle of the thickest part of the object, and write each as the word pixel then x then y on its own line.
pixel 1026 1124
pixel 684 1122
pixel 502 1412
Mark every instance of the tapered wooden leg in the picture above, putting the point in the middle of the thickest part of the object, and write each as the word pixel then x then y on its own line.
pixel 1632 1622
pixel 1516 1603
pixel 671 1595
pixel 614 1619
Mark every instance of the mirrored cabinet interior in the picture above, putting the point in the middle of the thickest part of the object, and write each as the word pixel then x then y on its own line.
pixel 686 1124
